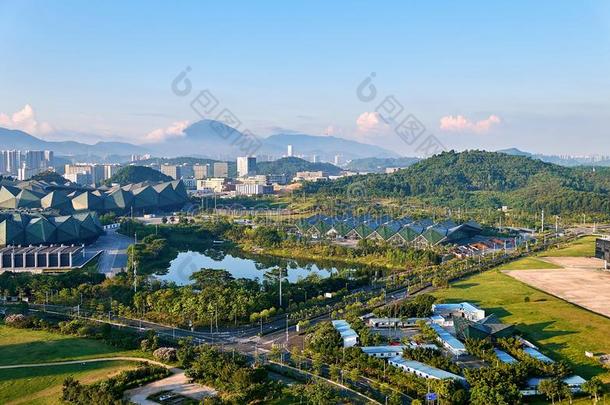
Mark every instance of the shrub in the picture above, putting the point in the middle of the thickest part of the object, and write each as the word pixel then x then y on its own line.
pixel 165 354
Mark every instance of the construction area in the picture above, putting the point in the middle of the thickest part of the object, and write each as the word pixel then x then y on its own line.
pixel 580 280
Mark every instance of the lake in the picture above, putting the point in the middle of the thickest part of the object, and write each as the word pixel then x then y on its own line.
pixel 186 263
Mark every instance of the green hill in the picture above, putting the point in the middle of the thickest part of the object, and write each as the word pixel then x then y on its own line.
pixel 480 179
pixel 290 165
pixel 137 174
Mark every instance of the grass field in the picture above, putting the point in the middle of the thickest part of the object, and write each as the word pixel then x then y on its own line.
pixel 562 330
pixel 21 346
pixel 583 247
pixel 529 263
pixel 42 385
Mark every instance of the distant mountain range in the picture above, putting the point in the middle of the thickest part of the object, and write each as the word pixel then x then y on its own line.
pixel 15 139
pixel 204 139
pixel 560 160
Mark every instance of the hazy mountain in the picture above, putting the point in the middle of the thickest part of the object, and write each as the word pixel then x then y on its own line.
pixel 325 147
pixel 291 165
pixel 15 139
pixel 378 165
pixel 204 139
pixel 561 160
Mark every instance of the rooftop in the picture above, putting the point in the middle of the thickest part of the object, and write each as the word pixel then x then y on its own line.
pixel 425 369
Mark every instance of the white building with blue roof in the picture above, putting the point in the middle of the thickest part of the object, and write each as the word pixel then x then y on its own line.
pixel 505 357
pixel 537 355
pixel 449 341
pixel 423 370
pixel 349 336
pixel 383 352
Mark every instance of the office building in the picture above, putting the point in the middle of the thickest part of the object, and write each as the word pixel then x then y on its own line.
pixel 246 166
pixel 221 169
pixel 289 151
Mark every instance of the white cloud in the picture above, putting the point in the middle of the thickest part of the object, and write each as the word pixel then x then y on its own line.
pixel 25 120
pixel 459 123
pixel 370 121
pixel 175 130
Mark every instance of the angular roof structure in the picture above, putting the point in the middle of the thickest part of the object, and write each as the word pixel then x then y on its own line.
pixel 40 231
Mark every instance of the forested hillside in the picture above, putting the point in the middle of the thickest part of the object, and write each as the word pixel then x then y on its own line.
pixel 136 174
pixel 291 165
pixel 480 179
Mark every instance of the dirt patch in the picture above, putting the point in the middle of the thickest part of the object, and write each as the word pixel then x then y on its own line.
pixel 585 287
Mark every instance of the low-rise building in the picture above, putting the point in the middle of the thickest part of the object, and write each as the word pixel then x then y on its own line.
pixel 462 310
pixel 383 352
pixel 253 189
pixel 449 341
pixel 424 371
pixel 311 176
pixel 349 336
pixel 574 383
pixel 216 184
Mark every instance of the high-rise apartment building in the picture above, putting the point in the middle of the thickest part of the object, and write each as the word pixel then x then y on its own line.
pixel 173 171
pixel 96 172
pixel 201 171
pixel 246 166
pixel 221 169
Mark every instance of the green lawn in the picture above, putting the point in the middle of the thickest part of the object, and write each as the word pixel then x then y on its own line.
pixel 21 346
pixel 561 330
pixel 582 247
pixel 529 263
pixel 42 385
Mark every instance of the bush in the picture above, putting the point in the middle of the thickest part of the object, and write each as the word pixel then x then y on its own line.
pixel 17 321
pixel 165 354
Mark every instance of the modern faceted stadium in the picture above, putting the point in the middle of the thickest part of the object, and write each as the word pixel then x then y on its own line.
pixel 36 212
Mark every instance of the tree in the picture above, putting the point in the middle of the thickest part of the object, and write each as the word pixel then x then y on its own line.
pixel 551 388
pixel 594 387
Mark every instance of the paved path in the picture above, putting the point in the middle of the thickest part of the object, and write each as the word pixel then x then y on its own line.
pixel 177 383
pixel 114 247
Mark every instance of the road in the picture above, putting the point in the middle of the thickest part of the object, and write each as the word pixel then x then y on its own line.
pixel 114 252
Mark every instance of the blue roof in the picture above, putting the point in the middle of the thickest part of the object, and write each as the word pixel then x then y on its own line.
pixel 448 338
pixel 382 349
pixel 504 357
pixel 426 369
pixel 537 355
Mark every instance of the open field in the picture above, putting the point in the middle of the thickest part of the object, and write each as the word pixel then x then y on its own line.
pixel 562 330
pixel 22 346
pixel 578 282
pixel 42 385
pixel 583 247
pixel 528 263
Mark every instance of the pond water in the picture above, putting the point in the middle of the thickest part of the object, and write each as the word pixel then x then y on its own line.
pixel 186 263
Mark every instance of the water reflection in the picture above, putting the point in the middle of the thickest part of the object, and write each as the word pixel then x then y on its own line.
pixel 240 266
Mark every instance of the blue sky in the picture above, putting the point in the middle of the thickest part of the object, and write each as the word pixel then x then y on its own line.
pixel 534 75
